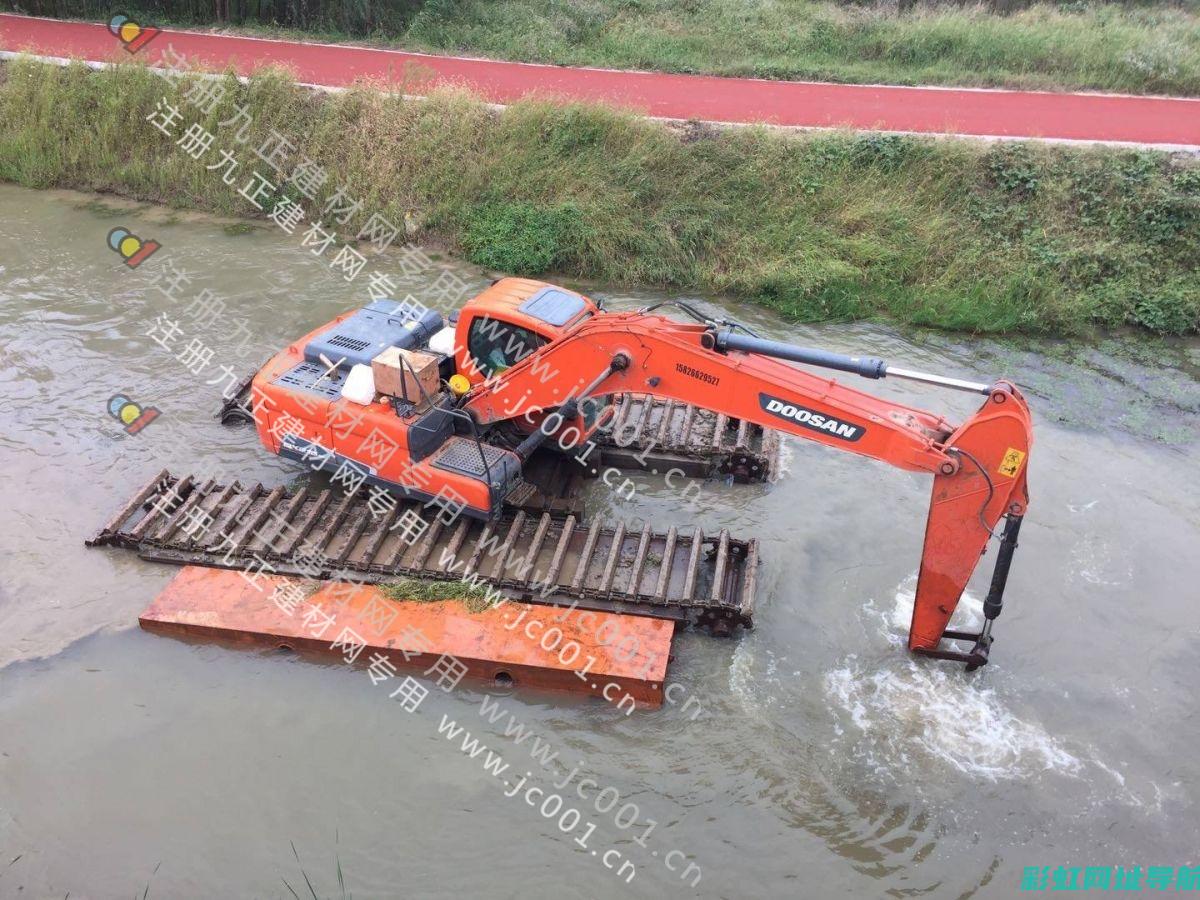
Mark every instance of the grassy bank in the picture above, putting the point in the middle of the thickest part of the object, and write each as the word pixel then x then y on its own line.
pixel 959 235
pixel 1147 47
pixel 1152 48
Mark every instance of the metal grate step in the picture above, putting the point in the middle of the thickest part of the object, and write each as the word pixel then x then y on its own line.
pixel 463 455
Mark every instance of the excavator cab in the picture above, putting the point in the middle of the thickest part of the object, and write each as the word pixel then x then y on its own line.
pixel 512 319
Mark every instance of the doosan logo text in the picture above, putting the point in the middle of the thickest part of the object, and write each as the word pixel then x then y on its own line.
pixel 810 418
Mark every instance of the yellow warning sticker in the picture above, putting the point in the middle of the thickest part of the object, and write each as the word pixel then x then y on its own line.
pixel 1011 464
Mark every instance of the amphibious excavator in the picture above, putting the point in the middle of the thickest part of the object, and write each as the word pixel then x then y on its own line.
pixel 525 366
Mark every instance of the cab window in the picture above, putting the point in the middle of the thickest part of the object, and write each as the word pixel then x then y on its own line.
pixel 495 345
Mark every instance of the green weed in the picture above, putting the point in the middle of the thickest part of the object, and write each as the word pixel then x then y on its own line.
pixel 518 237
pixel 475 598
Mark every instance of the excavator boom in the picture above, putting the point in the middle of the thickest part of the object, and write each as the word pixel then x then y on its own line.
pixel 978 467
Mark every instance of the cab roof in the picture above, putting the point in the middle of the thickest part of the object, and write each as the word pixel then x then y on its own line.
pixel 535 304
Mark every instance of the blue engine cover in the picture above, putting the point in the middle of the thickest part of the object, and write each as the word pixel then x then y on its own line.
pixel 361 337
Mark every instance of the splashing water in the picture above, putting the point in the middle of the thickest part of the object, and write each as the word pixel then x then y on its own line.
pixel 931 713
pixel 754 680
pixel 914 712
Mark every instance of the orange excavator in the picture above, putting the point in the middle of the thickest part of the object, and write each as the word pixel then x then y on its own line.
pixel 528 365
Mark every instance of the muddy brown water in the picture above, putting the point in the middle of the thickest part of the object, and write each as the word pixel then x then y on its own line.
pixel 823 759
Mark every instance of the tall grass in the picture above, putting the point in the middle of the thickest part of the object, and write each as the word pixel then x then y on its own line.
pixel 960 235
pixel 1108 46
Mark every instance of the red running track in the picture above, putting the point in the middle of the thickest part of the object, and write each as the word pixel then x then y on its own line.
pixel 981 113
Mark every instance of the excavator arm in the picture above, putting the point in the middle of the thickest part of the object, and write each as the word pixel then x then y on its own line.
pixel 978 467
